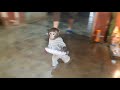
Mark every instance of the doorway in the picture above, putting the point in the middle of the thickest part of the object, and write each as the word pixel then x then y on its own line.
pixel 83 22
pixel 101 22
pixel 1 22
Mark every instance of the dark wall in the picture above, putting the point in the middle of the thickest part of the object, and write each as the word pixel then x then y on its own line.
pixel 34 16
pixel 1 22
pixel 85 14
pixel 75 15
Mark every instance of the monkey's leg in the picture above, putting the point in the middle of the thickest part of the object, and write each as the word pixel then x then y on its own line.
pixel 65 58
pixel 55 60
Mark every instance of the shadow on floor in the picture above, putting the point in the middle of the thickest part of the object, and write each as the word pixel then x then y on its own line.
pixel 88 60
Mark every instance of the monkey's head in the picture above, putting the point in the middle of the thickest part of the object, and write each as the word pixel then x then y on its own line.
pixel 53 33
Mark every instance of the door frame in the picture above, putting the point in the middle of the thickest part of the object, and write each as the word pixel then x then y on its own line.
pixel 95 22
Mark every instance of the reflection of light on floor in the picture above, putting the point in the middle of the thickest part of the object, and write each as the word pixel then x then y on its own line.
pixel 117 74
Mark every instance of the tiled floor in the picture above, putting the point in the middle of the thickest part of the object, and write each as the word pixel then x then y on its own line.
pixel 22 55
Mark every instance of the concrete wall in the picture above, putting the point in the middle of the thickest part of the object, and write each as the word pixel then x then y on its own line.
pixel 34 16
pixel 11 18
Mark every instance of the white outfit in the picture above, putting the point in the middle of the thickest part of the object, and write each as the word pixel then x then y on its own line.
pixel 115 49
pixel 55 47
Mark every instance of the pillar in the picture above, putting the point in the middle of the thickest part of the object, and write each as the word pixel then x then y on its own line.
pixel 4 17
pixel 117 22
pixel 17 17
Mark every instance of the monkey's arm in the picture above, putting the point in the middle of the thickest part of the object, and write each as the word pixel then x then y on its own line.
pixel 61 42
pixel 64 47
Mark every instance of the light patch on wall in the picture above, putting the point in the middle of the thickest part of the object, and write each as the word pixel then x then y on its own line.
pixel 16 14
pixel 90 23
pixel 4 14
pixel 91 14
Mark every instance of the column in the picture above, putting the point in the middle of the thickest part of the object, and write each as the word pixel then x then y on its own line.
pixel 4 17
pixel 17 17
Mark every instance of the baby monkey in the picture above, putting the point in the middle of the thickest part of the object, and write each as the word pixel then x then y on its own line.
pixel 57 47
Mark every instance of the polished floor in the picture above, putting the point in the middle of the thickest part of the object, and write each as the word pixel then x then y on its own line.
pixel 22 55
pixel 88 60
